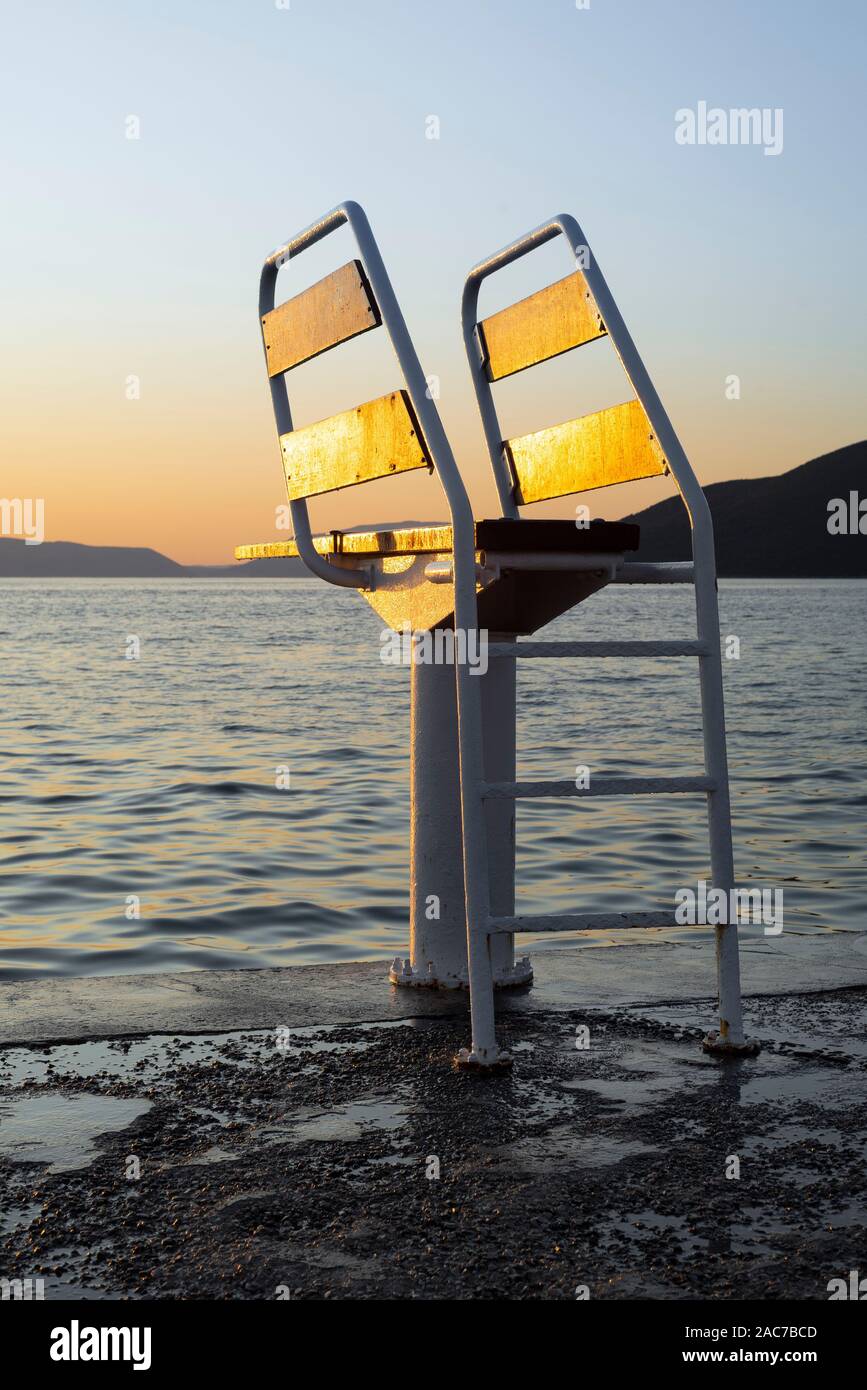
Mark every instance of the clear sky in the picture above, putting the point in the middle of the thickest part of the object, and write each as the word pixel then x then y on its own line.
pixel 140 257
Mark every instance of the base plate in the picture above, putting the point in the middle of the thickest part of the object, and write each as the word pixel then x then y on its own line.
pixel 471 1061
pixel 724 1047
pixel 402 973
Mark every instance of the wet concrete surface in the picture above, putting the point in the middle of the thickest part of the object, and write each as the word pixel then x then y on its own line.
pixel 622 968
pixel 355 1162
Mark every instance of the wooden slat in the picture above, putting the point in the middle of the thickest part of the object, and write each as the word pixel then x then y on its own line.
pixel 335 309
pixel 560 317
pixel 406 540
pixel 372 441
pixel 612 446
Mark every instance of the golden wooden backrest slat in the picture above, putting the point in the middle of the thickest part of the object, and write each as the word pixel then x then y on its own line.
pixel 374 440
pixel 552 321
pixel 330 312
pixel 615 445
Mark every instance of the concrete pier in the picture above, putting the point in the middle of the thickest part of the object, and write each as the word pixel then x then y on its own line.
pixel 302 1133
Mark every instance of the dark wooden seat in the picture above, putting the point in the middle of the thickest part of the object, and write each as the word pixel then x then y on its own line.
pixel 503 535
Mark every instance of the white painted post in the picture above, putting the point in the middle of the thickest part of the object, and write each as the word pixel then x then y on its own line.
pixel 438 923
pixel 437 944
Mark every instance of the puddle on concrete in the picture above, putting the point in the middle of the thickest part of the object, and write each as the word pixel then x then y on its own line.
pixel 242 1199
pixel 60 1130
pixel 836 1023
pixel 657 1057
pixel 539 1105
pixel 656 1074
pixel 58 1292
pixel 807 1155
pixel 851 1214
pixel 685 1241
pixel 687 1131
pixel 636 1094
pixel 741 1238
pixel 648 1223
pixel 652 1074
pixel 148 1059
pixel 825 1086
pixel 16 1218
pixel 69 1280
pixel 144 1059
pixel 346 1122
pixel 810 1135
pixel 561 1147
pixel 212 1155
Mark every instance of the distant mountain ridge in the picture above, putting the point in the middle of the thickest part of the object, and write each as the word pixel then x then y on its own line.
pixel 68 560
pixel 771 528
pixel 765 528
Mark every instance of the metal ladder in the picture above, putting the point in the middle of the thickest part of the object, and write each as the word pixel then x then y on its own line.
pixel 583 309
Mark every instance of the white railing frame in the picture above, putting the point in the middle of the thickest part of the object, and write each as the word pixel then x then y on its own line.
pixel 704 562
pixel 475 851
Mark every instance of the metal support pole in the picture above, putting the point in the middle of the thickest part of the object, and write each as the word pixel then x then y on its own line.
pixel 438 919
pixel 730 1037
pixel 438 923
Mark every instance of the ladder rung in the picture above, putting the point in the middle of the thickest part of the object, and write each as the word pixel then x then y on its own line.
pixel 599 786
pixel 645 572
pixel 564 649
pixel 582 921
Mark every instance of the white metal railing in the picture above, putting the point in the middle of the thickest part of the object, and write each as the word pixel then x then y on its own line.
pixel 701 572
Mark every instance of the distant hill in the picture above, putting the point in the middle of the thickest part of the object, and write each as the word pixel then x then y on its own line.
pixel 283 568
pixel 765 528
pixel 771 527
pixel 65 559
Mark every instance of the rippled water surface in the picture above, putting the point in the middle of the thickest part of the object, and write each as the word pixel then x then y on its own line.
pixel 154 779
